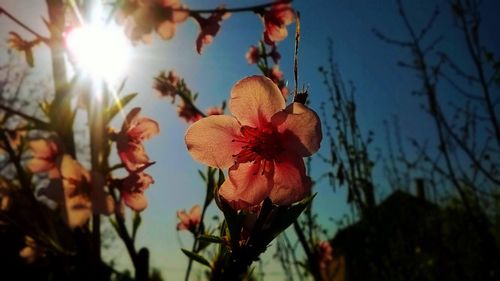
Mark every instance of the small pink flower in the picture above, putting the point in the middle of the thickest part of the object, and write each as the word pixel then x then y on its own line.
pixel 275 21
pixel 262 144
pixel 142 17
pixel 277 76
pixel 132 190
pixel 209 27
pixel 187 112
pixel 189 221
pixel 166 84
pixel 45 154
pixel 252 55
pixel 170 18
pixel 325 253
pixel 129 140
pixel 214 111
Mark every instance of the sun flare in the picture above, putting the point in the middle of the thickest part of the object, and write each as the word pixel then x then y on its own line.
pixel 101 51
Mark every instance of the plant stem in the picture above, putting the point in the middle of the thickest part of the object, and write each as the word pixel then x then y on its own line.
pixel 234 10
pixel 14 19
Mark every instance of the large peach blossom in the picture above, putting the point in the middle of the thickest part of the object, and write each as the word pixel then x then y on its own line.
pixel 189 221
pixel 129 140
pixel 262 144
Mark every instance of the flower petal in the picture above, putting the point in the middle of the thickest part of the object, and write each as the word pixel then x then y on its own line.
pixel 135 200
pixel 183 217
pixel 246 185
pixel 43 148
pixel 133 155
pixel 166 30
pixel 38 165
pixel 290 181
pixel 299 128
pixel 210 140
pixel 145 129
pixel 254 100
pixel 195 212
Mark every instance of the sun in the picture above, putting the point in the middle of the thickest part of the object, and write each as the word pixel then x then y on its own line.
pixel 101 51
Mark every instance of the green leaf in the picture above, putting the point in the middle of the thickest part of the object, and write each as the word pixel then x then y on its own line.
pixel 197 258
pixel 115 225
pixel 211 238
pixel 284 216
pixel 29 57
pixel 234 221
pixel 202 175
pixel 118 105
pixel 135 224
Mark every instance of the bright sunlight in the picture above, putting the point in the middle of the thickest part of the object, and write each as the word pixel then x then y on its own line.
pixel 102 51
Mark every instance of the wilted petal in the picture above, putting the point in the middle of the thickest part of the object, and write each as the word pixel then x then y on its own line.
pixel 300 129
pixel 246 185
pixel 290 181
pixel 254 100
pixel 210 140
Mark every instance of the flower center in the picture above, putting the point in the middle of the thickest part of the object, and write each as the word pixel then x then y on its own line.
pixel 261 146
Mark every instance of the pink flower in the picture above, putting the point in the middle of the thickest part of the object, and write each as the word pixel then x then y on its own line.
pixel 169 18
pixel 277 76
pixel 188 112
pixel 132 190
pixel 129 140
pixel 209 27
pixel 45 154
pixel 189 221
pixel 275 21
pixel 262 144
pixel 166 84
pixel 325 253
pixel 252 55
pixel 142 17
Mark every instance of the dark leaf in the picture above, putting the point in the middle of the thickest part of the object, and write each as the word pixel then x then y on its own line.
pixel 197 258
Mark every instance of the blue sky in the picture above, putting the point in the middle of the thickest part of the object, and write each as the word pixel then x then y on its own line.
pixel 383 89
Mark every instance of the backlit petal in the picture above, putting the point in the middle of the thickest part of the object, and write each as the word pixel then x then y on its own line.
pixel 145 129
pixel 210 140
pixel 37 165
pixel 300 129
pixel 290 181
pixel 246 185
pixel 254 100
